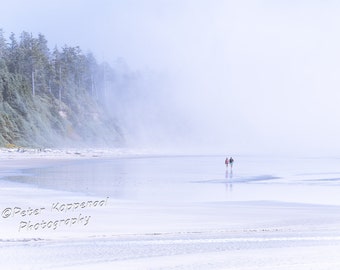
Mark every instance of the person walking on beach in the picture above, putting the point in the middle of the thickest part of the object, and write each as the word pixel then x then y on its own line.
pixel 226 162
pixel 231 161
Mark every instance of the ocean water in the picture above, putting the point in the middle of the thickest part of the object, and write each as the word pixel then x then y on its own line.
pixel 196 179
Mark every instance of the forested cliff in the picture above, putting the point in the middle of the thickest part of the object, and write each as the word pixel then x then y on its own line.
pixel 52 97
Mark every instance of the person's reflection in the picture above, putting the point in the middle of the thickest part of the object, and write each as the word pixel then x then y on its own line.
pixel 229 176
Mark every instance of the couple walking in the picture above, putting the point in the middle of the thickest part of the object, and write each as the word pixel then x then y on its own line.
pixel 229 161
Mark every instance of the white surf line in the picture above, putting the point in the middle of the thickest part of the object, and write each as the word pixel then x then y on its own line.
pixel 231 240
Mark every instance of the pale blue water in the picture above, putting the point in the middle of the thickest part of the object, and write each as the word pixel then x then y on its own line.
pixel 196 178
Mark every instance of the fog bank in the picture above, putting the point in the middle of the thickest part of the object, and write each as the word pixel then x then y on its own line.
pixel 223 76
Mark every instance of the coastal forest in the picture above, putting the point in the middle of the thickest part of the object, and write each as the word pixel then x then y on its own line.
pixel 53 97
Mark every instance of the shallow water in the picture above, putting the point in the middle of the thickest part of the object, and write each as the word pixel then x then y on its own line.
pixel 196 178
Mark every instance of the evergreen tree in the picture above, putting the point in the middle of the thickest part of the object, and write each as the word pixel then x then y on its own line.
pixel 3 45
pixel 44 93
pixel 13 55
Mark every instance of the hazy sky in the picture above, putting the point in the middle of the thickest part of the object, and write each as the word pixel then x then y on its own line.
pixel 250 76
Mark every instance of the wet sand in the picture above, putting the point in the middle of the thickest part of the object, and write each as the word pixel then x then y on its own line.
pixel 196 233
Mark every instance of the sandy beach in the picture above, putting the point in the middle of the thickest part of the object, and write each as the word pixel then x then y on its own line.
pixel 46 228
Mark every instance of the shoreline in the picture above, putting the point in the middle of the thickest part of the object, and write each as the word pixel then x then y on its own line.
pixel 67 153
pixel 13 160
pixel 38 223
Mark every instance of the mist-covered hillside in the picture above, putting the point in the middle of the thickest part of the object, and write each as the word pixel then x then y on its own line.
pixel 52 97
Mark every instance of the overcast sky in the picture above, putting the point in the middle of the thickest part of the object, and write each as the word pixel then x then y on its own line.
pixel 251 76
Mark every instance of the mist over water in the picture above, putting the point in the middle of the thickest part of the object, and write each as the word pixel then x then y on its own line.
pixel 258 77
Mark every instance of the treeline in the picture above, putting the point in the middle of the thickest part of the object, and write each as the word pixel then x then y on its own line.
pixel 60 72
pixel 47 96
